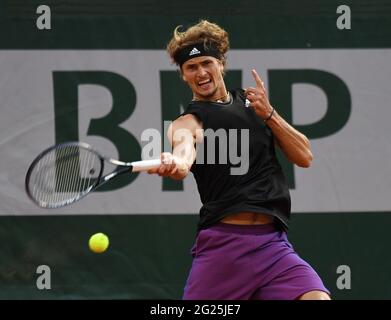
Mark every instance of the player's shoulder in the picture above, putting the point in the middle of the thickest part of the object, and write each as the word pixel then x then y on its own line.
pixel 185 117
pixel 189 120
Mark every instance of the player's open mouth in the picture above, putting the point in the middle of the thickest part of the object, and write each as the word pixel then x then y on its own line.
pixel 204 83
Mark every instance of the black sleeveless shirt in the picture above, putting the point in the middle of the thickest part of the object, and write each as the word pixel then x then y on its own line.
pixel 260 189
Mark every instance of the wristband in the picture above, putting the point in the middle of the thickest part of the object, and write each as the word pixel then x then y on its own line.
pixel 270 116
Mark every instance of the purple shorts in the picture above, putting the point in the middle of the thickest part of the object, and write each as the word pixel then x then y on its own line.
pixel 247 262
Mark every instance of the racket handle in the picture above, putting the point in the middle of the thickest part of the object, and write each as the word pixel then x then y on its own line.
pixel 145 165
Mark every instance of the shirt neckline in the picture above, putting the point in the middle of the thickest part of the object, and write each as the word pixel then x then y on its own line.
pixel 215 103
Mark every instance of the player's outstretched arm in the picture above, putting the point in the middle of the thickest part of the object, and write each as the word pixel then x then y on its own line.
pixel 182 136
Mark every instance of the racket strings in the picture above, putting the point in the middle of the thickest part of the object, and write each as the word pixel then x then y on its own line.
pixel 64 175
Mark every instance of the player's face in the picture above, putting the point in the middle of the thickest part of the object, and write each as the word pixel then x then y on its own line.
pixel 204 75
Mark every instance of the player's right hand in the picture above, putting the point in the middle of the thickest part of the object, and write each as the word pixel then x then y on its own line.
pixel 171 167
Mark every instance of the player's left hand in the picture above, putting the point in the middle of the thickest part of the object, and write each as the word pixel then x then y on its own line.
pixel 258 97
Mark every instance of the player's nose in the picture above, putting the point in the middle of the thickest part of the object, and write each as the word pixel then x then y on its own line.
pixel 202 72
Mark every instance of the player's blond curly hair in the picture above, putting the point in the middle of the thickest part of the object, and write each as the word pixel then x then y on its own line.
pixel 204 31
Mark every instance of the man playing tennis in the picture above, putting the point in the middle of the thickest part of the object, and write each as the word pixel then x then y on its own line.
pixel 241 250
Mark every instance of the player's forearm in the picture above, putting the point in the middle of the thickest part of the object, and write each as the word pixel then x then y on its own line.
pixel 294 144
pixel 184 163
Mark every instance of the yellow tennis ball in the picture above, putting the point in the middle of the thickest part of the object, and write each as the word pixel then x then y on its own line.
pixel 98 242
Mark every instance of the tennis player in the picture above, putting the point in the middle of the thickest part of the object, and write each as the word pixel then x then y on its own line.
pixel 241 250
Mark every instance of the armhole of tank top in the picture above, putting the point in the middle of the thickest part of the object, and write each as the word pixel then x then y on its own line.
pixel 198 113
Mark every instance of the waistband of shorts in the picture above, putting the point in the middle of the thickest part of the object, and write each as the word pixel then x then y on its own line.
pixel 244 229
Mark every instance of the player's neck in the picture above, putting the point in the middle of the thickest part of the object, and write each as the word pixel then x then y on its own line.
pixel 223 99
pixel 220 98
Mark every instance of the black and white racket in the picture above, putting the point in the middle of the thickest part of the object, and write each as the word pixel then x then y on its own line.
pixel 67 172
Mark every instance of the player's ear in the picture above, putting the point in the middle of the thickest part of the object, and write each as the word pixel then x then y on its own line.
pixel 221 65
pixel 183 76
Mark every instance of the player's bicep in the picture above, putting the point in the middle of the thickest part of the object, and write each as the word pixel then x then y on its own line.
pixel 182 136
pixel 188 122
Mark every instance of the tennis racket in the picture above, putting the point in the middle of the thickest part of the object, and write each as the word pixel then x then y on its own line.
pixel 67 172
